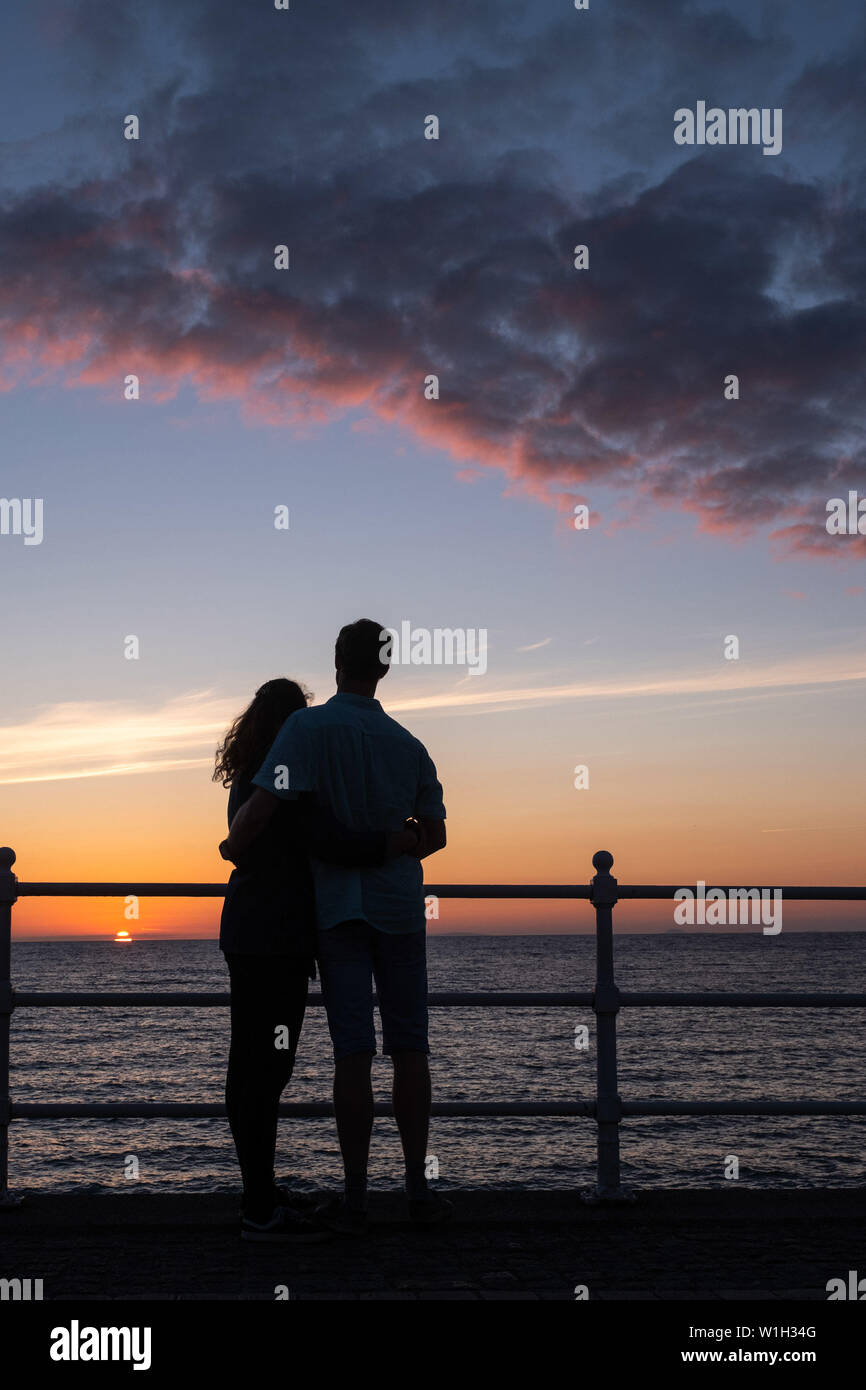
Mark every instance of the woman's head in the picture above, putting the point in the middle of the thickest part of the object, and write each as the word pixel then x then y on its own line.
pixel 245 746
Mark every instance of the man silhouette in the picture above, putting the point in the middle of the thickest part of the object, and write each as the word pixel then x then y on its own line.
pixel 371 773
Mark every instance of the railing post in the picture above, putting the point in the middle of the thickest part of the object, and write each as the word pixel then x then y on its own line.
pixel 606 1006
pixel 8 895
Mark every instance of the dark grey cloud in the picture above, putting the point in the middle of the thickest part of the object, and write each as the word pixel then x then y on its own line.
pixel 455 257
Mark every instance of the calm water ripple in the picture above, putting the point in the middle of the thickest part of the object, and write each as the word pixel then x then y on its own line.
pixel 179 1054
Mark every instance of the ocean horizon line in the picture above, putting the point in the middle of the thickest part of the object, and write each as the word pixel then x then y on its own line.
pixel 532 936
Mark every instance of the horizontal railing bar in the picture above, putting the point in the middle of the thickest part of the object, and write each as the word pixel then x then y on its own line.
pixel 716 999
pixel 441 890
pixel 217 890
pixel 807 894
pixel 301 1109
pixel 30 999
pixel 120 890
pixel 635 1108
pixel 147 1110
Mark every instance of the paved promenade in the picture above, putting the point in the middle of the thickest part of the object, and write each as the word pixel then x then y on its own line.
pixel 727 1244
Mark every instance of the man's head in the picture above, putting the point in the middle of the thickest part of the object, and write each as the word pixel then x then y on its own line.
pixel 358 656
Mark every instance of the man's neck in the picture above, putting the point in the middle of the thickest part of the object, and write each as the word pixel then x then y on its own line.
pixel 352 687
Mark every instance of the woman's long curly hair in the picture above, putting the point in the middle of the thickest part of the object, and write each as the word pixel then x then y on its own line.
pixel 245 746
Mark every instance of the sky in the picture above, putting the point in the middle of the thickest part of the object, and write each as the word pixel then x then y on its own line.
pixel 604 387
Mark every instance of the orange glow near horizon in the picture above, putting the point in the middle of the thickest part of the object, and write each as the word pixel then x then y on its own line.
pixel 521 822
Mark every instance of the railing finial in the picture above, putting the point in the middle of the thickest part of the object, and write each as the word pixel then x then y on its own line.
pixel 602 861
pixel 7 857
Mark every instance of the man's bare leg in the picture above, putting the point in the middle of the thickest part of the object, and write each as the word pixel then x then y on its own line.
pixel 411 1095
pixel 353 1104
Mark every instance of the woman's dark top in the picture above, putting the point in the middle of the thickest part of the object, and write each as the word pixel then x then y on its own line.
pixel 269 906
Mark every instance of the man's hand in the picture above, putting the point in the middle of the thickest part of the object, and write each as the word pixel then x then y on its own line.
pixel 405 841
pixel 419 837
pixel 432 836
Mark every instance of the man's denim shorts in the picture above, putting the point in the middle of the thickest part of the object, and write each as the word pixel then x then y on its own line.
pixel 353 954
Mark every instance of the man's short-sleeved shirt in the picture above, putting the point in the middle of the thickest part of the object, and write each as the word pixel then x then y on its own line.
pixel 372 773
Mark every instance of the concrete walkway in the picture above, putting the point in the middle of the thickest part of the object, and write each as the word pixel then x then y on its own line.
pixel 727 1244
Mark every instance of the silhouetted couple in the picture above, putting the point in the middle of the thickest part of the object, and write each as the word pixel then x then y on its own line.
pixel 331 810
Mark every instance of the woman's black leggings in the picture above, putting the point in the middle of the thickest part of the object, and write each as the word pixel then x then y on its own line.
pixel 268 999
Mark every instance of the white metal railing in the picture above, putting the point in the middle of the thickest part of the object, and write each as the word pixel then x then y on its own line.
pixel 607 1109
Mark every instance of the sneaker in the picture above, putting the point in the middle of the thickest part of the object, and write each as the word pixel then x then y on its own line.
pixel 284 1224
pixel 432 1210
pixel 341 1219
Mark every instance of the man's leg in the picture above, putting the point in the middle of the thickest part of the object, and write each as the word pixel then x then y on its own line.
pixel 400 968
pixel 353 1104
pixel 411 1094
pixel 346 967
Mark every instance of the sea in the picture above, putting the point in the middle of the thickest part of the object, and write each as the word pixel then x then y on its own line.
pixel 179 1054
